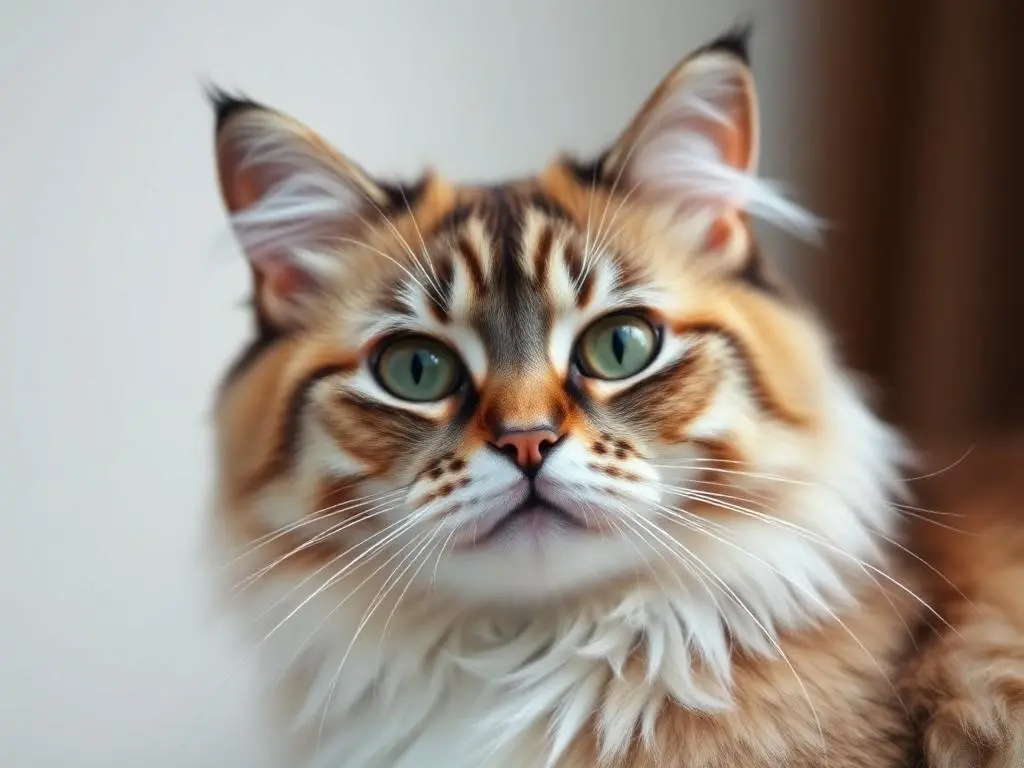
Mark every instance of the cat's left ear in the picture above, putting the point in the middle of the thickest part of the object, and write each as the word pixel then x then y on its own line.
pixel 293 200
pixel 693 149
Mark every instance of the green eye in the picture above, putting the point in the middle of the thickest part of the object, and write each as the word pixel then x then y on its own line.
pixel 418 369
pixel 617 347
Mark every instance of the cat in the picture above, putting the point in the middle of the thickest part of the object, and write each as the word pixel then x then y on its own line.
pixel 559 472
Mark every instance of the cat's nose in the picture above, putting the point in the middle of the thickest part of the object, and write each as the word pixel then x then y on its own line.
pixel 527 447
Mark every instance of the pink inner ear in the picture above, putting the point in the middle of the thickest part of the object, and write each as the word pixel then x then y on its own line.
pixel 718 235
pixel 728 234
pixel 282 286
pixel 735 140
pixel 240 187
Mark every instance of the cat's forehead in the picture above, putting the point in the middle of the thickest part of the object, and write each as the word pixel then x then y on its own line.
pixel 495 252
pixel 509 264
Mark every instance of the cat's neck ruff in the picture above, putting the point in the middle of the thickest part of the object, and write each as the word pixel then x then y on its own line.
pixel 396 676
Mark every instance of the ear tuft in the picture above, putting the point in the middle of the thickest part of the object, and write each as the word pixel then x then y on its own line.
pixel 735 41
pixel 692 150
pixel 226 105
pixel 293 200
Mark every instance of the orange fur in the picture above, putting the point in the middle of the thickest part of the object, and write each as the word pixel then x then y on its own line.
pixel 930 658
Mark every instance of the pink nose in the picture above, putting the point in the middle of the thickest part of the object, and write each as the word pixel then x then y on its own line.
pixel 527 448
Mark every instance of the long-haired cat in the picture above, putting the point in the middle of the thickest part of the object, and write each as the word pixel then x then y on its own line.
pixel 557 472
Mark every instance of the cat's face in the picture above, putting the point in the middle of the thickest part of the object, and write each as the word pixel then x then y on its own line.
pixel 514 392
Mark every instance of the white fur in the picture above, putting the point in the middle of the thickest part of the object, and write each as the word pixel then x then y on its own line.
pixel 674 158
pixel 436 682
pixel 467 661
pixel 306 192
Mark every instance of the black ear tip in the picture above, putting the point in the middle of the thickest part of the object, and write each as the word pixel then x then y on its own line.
pixel 735 40
pixel 226 104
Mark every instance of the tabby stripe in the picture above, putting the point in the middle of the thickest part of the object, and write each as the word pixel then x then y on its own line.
pixel 582 283
pixel 549 207
pixel 376 408
pixel 474 265
pixel 543 255
pixel 284 453
pixel 265 339
pixel 440 297
pixel 762 394
pixel 452 221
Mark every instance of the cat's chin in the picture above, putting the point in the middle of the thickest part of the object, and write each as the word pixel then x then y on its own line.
pixel 536 559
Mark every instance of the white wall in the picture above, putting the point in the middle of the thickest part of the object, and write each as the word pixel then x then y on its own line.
pixel 119 300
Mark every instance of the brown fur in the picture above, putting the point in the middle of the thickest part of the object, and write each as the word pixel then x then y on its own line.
pixel 930 662
pixel 963 687
pixel 842 685
pixel 967 685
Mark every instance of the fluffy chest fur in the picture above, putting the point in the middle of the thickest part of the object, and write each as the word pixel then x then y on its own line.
pixel 370 675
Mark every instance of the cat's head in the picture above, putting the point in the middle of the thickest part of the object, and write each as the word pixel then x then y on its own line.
pixel 526 389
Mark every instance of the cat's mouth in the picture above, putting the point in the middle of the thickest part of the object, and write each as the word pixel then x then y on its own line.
pixel 533 518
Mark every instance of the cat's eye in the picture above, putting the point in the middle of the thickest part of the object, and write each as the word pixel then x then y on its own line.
pixel 418 369
pixel 616 347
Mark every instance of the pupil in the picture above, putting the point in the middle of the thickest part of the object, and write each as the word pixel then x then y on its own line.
pixel 417 368
pixel 618 345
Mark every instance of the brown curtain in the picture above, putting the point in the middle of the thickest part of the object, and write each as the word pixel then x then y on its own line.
pixel 918 124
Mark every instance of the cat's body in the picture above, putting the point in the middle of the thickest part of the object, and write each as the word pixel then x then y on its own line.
pixel 555 473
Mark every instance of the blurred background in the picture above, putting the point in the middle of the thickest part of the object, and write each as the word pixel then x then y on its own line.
pixel 122 296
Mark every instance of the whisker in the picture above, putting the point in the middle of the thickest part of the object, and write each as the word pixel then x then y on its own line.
pixel 627 514
pixel 936 523
pixel 708 498
pixel 768 635
pixel 419 234
pixel 817 538
pixel 375 511
pixel 754 475
pixel 605 235
pixel 309 519
pixel 378 600
pixel 396 530
pixel 945 469
pixel 901 507
pixel 433 577
pixel 433 541
pixel 814 598
pixel 254 648
pixel 432 291
pixel 398 235
pixel 682 490
pixel 352 567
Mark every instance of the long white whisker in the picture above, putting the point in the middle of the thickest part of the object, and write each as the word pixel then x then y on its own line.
pixel 754 475
pixel 419 234
pixel 768 635
pixel 817 538
pixel 392 259
pixel 936 523
pixel 352 592
pixel 432 542
pixel 922 510
pixel 377 601
pixel 810 594
pixel 399 528
pixel 444 546
pixel 310 519
pixel 404 243
pixel 945 469
pixel 375 511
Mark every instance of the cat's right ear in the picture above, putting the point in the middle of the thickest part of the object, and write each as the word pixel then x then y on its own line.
pixel 290 196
